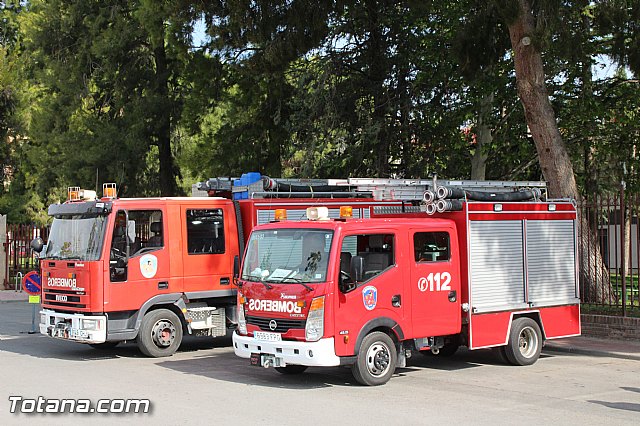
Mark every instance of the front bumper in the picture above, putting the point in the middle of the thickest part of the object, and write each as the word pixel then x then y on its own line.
pixel 313 354
pixel 73 326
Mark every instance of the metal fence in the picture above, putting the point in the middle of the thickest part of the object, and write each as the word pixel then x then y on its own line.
pixel 20 259
pixel 609 252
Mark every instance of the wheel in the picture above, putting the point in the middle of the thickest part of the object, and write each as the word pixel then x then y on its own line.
pixel 160 333
pixel 525 342
pixel 376 360
pixel 291 369
pixel 105 345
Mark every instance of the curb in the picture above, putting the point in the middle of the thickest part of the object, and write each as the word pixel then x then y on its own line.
pixel 590 352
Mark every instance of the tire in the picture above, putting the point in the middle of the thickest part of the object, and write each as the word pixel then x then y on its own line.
pixel 376 361
pixel 291 369
pixel 160 334
pixel 501 353
pixel 525 342
pixel 104 345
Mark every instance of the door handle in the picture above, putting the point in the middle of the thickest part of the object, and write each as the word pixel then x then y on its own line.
pixel 224 281
pixel 396 301
pixel 453 296
pixel 163 285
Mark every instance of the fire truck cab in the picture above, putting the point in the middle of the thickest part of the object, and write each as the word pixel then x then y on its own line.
pixel 117 269
pixel 367 292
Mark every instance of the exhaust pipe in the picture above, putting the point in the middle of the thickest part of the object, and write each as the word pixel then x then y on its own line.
pixel 435 351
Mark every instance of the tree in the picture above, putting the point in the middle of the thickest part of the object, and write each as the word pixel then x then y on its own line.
pixel 110 86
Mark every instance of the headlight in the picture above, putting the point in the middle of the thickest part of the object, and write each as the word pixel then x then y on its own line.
pixel 242 322
pixel 90 324
pixel 315 320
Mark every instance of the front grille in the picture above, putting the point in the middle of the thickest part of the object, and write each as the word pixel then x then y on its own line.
pixel 284 325
pixel 61 298
pixel 68 299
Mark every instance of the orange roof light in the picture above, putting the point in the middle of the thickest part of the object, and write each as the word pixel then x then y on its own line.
pixel 346 212
pixel 109 190
pixel 280 214
pixel 73 193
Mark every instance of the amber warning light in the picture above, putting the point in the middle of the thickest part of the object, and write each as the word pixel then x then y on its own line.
pixel 280 214
pixel 73 193
pixel 346 212
pixel 109 190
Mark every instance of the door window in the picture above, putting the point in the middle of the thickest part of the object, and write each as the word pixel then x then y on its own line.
pixel 135 232
pixel 431 246
pixel 205 231
pixel 376 250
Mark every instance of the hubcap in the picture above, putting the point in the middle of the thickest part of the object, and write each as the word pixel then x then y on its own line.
pixel 378 358
pixel 528 342
pixel 163 333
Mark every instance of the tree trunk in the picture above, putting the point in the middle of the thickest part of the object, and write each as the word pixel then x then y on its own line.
pixel 552 153
pixel 167 168
pixel 484 137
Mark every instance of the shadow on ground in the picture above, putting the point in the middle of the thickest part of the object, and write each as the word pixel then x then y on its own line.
pixel 226 366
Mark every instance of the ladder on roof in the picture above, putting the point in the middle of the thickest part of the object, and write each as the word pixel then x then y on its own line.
pixel 258 186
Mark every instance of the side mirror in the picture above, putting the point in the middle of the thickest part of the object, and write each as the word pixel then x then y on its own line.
pixel 37 244
pixel 236 267
pixel 356 268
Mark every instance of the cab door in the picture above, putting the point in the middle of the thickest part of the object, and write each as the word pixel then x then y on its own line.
pixel 139 259
pixel 435 282
pixel 378 300
pixel 209 246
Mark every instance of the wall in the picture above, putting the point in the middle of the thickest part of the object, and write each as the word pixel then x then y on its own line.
pixel 610 327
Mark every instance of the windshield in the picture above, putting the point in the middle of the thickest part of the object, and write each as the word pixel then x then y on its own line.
pixel 287 256
pixel 76 237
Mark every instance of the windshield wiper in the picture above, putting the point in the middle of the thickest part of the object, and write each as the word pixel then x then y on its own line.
pixel 258 278
pixel 297 281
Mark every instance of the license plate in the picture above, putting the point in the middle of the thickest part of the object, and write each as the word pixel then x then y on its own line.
pixel 68 333
pixel 78 334
pixel 267 337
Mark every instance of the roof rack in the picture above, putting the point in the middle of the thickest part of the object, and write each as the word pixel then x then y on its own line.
pixel 255 185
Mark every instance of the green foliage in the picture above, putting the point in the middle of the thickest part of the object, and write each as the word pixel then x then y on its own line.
pixel 96 91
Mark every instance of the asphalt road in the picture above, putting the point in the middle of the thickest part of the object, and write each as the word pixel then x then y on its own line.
pixel 204 383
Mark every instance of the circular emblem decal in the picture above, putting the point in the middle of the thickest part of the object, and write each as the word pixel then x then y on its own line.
pixel 423 284
pixel 370 297
pixel 148 265
pixel 273 325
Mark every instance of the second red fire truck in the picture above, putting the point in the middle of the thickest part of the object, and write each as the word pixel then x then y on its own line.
pixel 479 269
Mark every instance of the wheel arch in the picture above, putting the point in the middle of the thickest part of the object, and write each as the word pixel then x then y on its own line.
pixel 534 315
pixel 172 302
pixel 383 324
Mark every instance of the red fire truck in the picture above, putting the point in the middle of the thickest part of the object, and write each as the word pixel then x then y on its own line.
pixel 153 269
pixel 479 269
